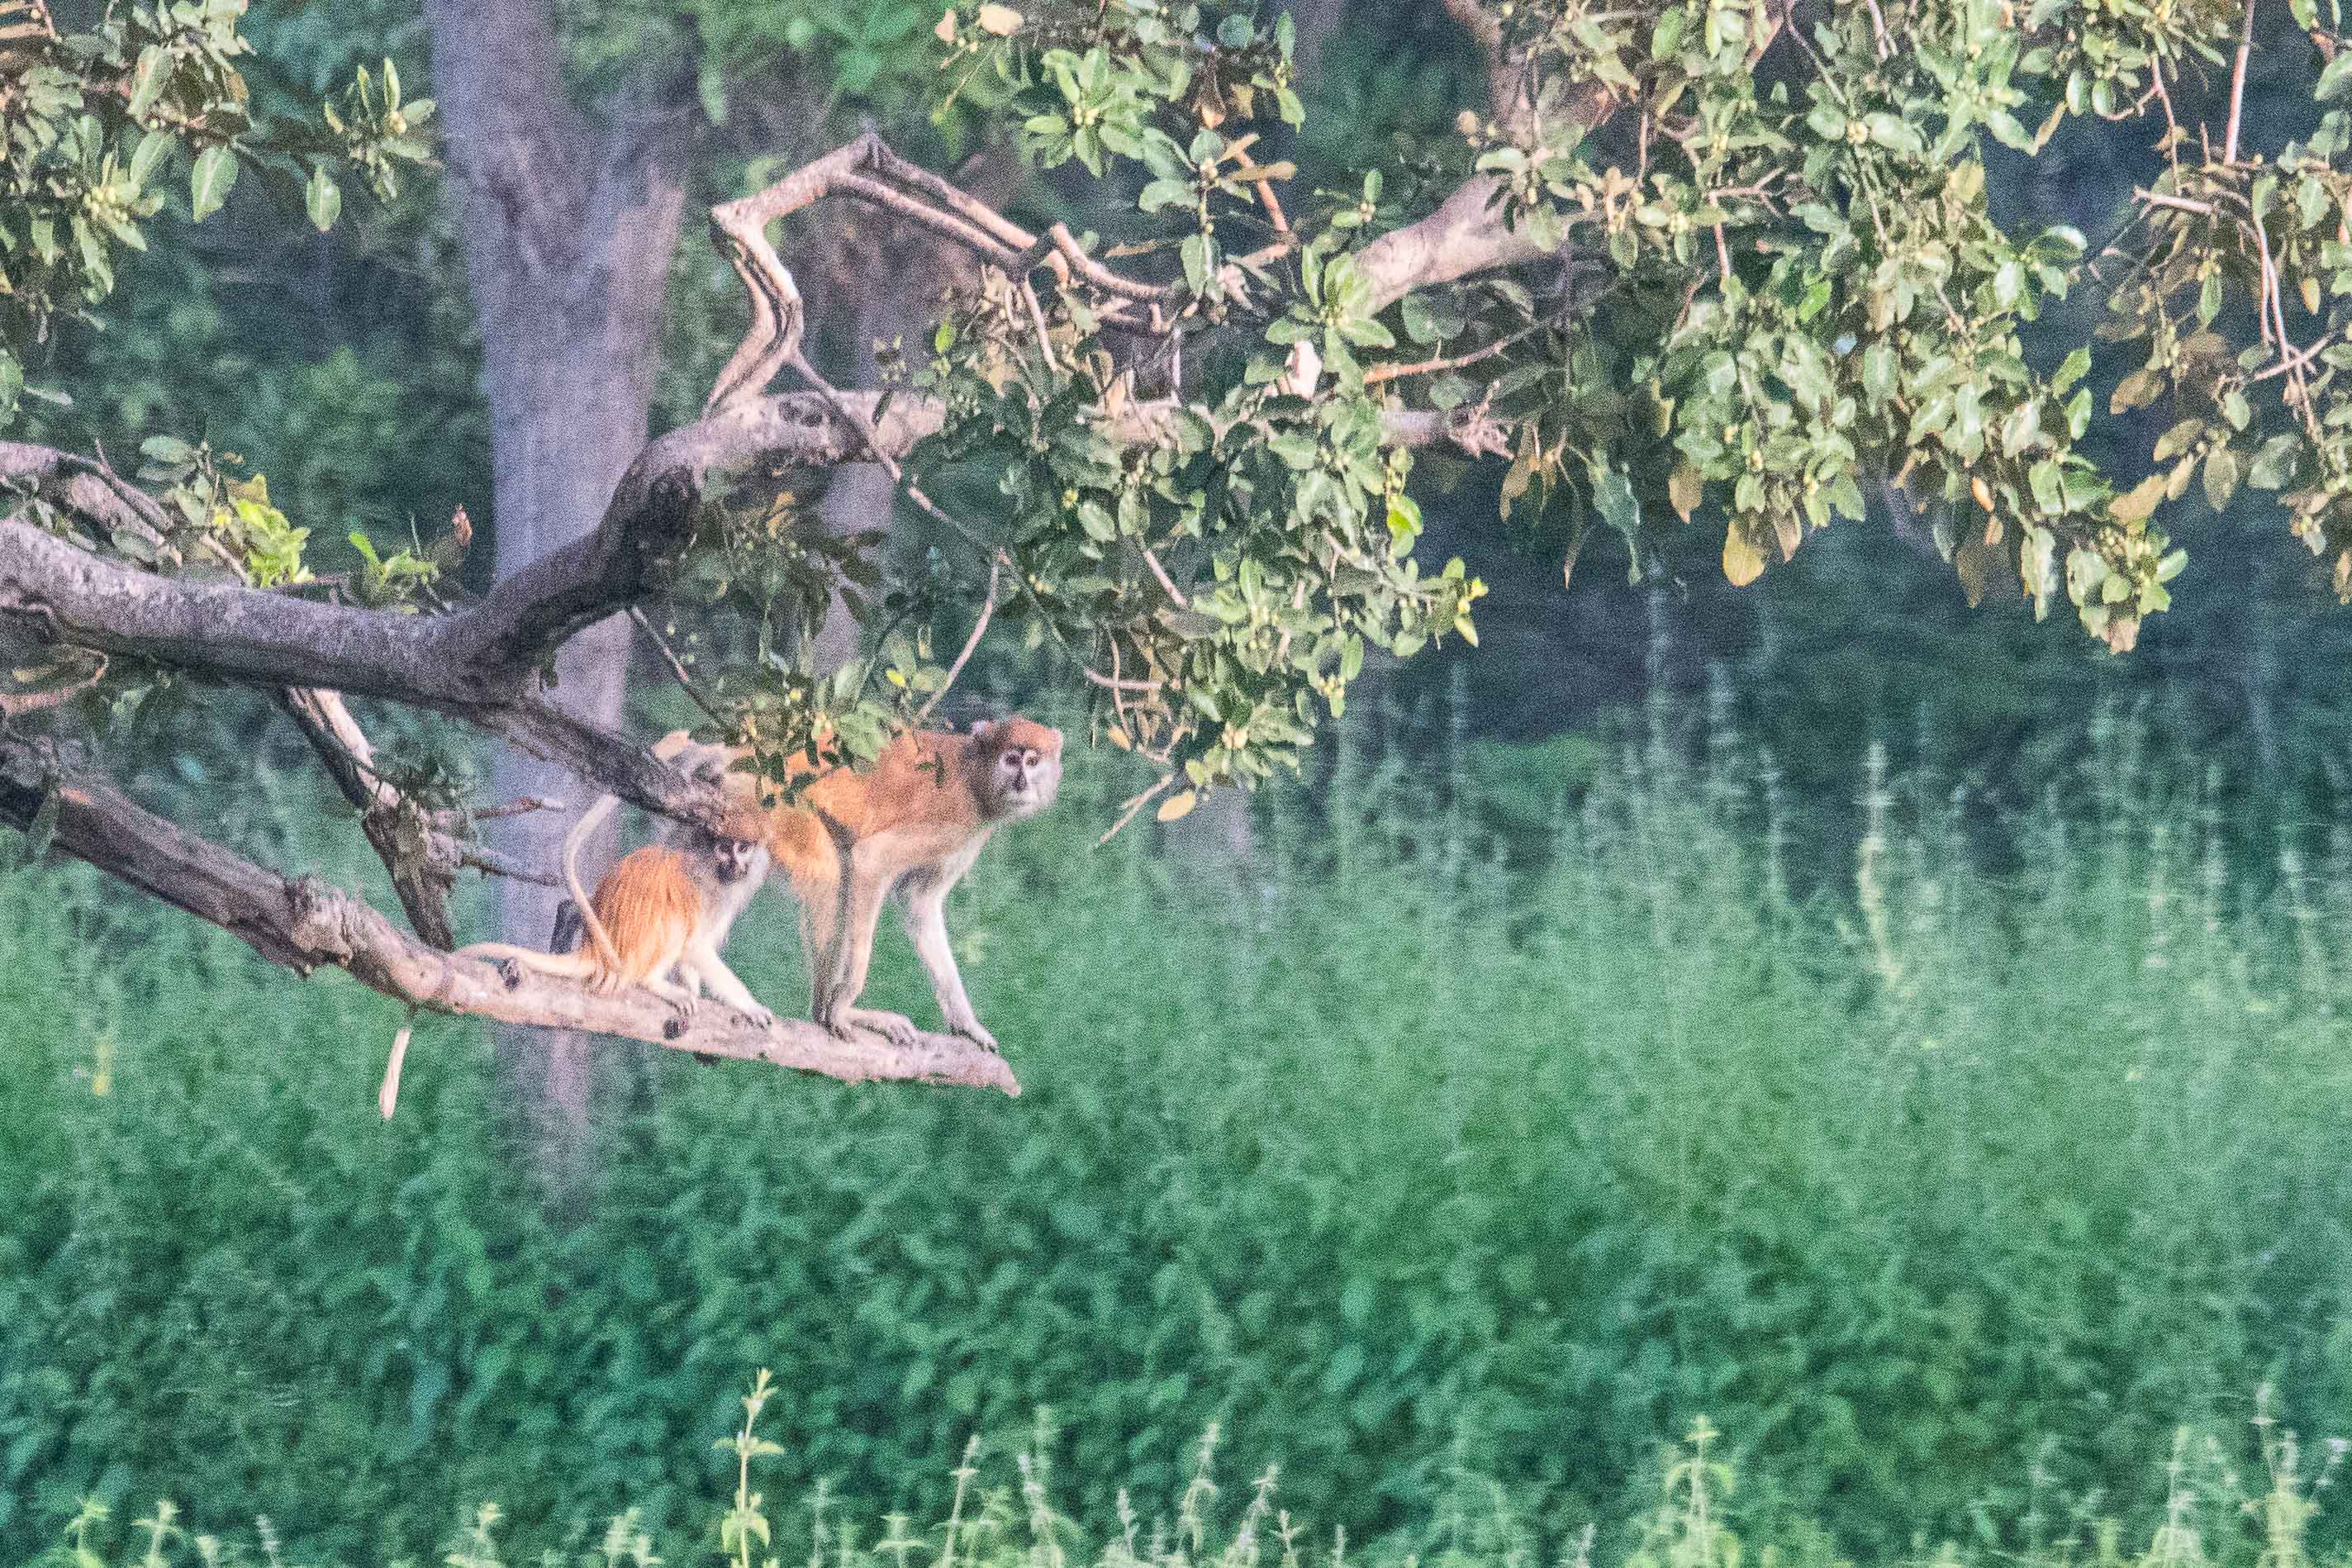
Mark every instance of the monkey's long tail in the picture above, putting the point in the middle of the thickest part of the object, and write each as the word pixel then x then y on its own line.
pixel 598 937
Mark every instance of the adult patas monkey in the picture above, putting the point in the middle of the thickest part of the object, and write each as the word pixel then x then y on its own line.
pixel 661 910
pixel 911 824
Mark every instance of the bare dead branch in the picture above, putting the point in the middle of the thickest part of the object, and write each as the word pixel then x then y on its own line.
pixel 865 170
pixel 529 803
pixel 305 925
pixel 421 857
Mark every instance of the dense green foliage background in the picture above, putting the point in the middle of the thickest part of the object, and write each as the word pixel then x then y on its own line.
pixel 1945 1195
pixel 1538 1093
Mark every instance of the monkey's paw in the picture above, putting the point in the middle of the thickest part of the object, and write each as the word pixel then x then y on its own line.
pixel 761 1018
pixel 971 1029
pixel 896 1027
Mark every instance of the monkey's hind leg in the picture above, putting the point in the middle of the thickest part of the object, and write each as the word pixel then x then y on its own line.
pixel 862 912
pixel 686 999
pixel 704 967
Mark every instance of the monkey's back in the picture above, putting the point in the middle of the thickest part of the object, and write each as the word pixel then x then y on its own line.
pixel 648 901
pixel 922 778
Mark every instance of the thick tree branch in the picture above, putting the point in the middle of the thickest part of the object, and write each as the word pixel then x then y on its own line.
pixel 476 663
pixel 305 924
pixel 1466 234
pixel 420 857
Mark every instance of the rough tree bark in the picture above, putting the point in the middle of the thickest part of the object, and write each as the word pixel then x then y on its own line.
pixel 569 233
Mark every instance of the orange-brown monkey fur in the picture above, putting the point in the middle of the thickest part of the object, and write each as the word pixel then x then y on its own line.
pixel 911 824
pixel 658 909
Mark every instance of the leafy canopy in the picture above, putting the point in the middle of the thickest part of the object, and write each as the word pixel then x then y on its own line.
pixel 1757 269
pixel 1717 264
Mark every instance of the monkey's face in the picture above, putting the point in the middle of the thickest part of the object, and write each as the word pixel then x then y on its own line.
pixel 736 859
pixel 1024 780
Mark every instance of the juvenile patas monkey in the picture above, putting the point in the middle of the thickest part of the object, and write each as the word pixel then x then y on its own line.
pixel 661 909
pixel 912 824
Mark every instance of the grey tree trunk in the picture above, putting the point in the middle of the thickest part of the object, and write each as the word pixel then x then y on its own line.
pixel 568 231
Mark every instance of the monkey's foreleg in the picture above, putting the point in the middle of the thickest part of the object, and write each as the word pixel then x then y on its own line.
pixel 925 917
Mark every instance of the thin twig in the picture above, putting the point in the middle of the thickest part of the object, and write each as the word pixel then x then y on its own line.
pixel 987 609
pixel 677 666
pixel 2294 361
pixel 2171 125
pixel 873 438
pixel 1878 28
pixel 1037 319
pixel 1167 582
pixel 2268 285
pixel 2238 86
pixel 489 862
pixel 1380 372
pixel 518 807
pixel 1134 805
pixel 1117 683
pixel 2178 204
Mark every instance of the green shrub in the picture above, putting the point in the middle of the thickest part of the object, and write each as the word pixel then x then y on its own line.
pixel 1944 1192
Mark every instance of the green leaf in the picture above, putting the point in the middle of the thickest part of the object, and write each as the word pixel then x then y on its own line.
pixel 1666 38
pixel 154 148
pixel 148 80
pixel 2334 76
pixel 2274 468
pixel 210 182
pixel 1878 366
pixel 2221 478
pixel 1613 498
pixel 2043 479
pixel 2022 428
pixel 323 199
